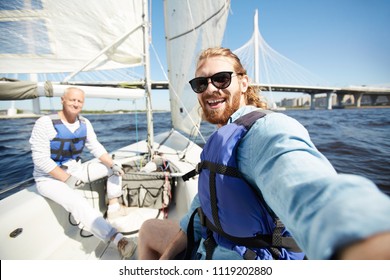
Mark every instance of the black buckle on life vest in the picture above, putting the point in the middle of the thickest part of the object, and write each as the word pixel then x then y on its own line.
pixel 209 245
pixel 250 254
pixel 191 173
pixel 202 216
pixel 197 168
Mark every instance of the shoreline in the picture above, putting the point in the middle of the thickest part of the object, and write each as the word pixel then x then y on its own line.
pixel 32 115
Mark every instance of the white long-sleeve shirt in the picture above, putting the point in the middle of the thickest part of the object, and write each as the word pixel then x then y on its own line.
pixel 44 131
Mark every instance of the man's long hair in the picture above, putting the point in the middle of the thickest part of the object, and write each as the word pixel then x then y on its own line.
pixel 253 93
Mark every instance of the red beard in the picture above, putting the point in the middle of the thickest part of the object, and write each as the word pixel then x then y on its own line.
pixel 221 116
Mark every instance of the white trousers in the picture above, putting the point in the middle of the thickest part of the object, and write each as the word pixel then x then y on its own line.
pixel 74 202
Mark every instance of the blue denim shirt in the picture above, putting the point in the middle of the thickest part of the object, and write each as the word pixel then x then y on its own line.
pixel 323 210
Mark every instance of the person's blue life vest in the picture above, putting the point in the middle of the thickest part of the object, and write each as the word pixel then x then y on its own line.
pixel 67 145
pixel 233 213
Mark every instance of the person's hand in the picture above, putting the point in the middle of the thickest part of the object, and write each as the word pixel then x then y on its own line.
pixel 375 247
pixel 117 169
pixel 74 182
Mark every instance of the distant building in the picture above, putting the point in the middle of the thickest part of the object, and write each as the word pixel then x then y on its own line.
pixel 321 101
pixel 303 101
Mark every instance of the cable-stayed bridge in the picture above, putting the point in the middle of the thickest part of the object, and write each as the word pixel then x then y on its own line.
pixel 273 72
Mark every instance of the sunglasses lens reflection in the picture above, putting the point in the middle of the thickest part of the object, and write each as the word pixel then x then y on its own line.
pixel 200 84
pixel 221 80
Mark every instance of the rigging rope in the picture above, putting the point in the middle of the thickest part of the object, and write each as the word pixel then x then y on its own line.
pixel 274 67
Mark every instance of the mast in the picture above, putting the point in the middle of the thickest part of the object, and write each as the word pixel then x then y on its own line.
pixel 256 48
pixel 148 87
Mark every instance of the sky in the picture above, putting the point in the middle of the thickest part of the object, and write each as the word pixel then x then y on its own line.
pixel 345 42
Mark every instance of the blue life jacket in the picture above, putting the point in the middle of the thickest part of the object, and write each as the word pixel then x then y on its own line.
pixel 67 145
pixel 233 213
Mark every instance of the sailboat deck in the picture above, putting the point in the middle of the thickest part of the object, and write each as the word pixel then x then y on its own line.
pixel 47 231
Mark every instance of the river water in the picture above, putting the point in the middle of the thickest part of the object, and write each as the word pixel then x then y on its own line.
pixel 355 141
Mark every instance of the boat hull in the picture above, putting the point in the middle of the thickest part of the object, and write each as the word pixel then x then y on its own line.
pixel 34 227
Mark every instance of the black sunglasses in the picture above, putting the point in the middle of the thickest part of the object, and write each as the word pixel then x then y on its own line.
pixel 220 80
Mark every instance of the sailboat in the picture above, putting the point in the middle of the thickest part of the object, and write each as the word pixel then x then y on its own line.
pixel 76 37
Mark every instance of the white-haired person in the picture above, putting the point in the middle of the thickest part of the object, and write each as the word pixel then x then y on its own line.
pixel 57 142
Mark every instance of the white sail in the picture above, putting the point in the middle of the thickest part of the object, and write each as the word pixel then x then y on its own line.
pixel 190 27
pixel 112 20
pixel 92 42
pixel 63 35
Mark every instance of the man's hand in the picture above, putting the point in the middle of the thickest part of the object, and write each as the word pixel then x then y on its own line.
pixel 375 247
pixel 117 169
pixel 74 183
